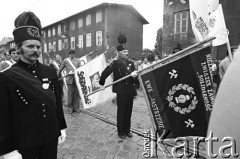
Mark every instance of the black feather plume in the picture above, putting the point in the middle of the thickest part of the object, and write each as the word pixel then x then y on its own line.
pixel 28 18
pixel 121 38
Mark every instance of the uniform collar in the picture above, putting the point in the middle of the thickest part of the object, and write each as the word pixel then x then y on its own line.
pixel 24 64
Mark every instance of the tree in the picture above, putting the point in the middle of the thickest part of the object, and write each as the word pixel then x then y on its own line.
pixel 158 43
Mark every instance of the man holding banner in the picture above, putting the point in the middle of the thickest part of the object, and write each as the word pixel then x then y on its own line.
pixel 71 64
pixel 125 89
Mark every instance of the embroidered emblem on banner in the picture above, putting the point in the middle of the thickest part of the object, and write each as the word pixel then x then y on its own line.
pixel 189 123
pixel 182 98
pixel 33 32
pixel 173 74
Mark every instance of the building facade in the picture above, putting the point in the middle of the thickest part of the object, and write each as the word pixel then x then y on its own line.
pixel 95 30
pixel 177 25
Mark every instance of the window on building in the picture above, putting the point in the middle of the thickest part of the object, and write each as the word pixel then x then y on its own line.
pixel 73 42
pixel 45 47
pixel 65 44
pixel 88 40
pixel 80 41
pixel 99 16
pixel 80 22
pixel 50 47
pixel 49 33
pixel 64 28
pixel 98 38
pixel 72 25
pixel 44 34
pixel 88 19
pixel 181 24
pixel 59 30
pixel 53 31
pixel 59 44
pixel 54 46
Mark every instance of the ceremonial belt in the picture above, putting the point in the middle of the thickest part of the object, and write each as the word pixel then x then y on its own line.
pixel 55 65
pixel 10 63
pixel 70 62
pixel 31 84
pixel 62 74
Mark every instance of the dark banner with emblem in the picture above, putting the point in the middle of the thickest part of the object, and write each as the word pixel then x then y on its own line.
pixel 180 94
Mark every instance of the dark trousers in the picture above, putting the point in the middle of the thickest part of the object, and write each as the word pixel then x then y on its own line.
pixel 48 151
pixel 73 96
pixel 124 112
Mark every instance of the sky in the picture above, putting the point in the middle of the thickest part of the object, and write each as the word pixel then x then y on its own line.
pixel 50 11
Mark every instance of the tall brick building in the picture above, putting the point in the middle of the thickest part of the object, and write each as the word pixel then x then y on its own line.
pixel 95 29
pixel 177 25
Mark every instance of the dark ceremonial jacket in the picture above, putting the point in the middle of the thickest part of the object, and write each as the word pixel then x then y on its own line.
pixel 120 68
pixel 30 115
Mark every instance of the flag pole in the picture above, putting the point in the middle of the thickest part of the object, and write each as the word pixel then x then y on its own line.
pixel 66 75
pixel 161 61
pixel 228 43
pixel 229 49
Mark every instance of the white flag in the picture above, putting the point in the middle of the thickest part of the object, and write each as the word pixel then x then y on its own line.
pixel 199 18
pixel 87 80
pixel 217 27
pixel 212 5
pixel 83 60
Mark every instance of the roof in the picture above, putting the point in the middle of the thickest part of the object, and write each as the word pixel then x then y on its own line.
pixel 5 40
pixel 130 7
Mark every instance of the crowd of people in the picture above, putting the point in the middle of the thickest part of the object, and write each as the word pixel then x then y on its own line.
pixel 32 121
pixel 31 114
pixel 219 68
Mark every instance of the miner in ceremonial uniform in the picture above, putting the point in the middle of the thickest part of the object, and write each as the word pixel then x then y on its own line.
pixel 32 122
pixel 125 90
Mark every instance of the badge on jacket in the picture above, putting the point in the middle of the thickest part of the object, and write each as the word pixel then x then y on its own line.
pixel 45 84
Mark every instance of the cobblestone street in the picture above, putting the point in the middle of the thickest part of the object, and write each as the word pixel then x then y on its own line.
pixel 91 138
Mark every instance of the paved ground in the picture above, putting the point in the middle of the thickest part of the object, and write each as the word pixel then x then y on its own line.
pixel 91 138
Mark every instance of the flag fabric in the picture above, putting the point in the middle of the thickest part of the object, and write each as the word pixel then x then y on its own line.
pixel 87 78
pixel 179 94
pixel 212 5
pixel 208 23
pixel 83 60
pixel 217 27
pixel 199 18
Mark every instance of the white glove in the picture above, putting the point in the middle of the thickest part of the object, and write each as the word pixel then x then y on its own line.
pixel 102 88
pixel 12 155
pixel 62 138
pixel 134 74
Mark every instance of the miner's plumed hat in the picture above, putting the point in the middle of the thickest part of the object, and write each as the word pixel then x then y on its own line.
pixel 122 40
pixel 28 27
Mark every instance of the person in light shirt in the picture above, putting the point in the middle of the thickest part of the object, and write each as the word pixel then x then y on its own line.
pixel 11 57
